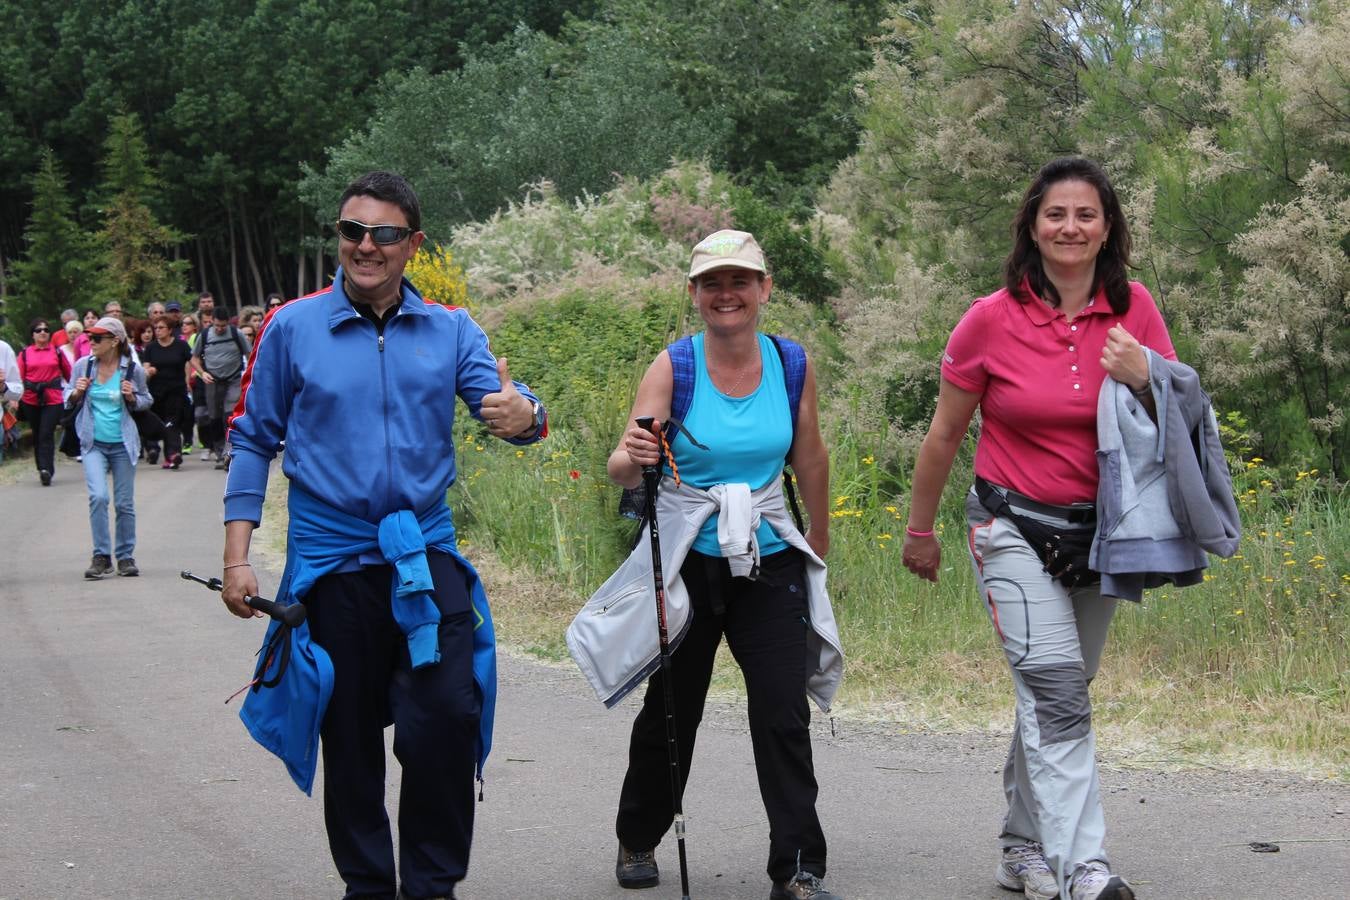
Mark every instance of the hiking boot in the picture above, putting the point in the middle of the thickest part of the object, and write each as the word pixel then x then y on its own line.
pixel 100 565
pixel 1023 868
pixel 127 567
pixel 45 477
pixel 802 886
pixel 177 461
pixel 1094 881
pixel 637 868
pixel 187 449
pixel 223 463
pixel 152 455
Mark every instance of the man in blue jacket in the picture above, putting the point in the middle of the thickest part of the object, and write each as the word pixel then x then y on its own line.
pixel 360 381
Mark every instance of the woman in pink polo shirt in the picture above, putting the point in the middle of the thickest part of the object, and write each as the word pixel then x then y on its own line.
pixel 1032 357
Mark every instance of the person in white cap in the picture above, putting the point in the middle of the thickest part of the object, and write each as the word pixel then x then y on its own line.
pixel 734 390
pixel 106 386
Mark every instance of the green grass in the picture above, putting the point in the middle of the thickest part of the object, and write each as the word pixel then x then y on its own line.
pixel 1247 669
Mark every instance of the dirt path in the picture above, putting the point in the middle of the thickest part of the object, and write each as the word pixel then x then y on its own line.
pixel 122 774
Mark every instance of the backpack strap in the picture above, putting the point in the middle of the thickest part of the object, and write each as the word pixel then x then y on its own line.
pixel 793 359
pixel 682 393
pixel 239 342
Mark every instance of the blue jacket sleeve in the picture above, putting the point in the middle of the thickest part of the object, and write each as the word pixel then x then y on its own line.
pixel 477 372
pixel 259 425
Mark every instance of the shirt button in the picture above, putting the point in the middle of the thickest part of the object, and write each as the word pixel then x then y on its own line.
pixel 1073 327
pixel 1072 348
pixel 1073 368
pixel 1075 387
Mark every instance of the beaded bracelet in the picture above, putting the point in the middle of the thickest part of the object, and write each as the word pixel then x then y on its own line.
pixel 918 534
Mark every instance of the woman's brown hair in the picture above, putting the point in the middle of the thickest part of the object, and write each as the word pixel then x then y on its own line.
pixel 1023 266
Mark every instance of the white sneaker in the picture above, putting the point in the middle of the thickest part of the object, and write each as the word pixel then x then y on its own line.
pixel 1023 868
pixel 1094 881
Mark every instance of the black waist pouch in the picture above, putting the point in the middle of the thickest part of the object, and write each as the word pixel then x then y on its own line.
pixel 1063 549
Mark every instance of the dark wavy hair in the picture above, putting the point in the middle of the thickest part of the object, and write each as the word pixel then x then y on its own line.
pixel 1023 265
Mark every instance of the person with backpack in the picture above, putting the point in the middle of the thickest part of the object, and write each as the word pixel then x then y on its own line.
pixel 11 389
pixel 219 358
pixel 1034 358
pixel 106 387
pixel 168 361
pixel 43 368
pixel 732 390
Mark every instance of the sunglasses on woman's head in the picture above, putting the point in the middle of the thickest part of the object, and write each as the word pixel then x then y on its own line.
pixel 356 232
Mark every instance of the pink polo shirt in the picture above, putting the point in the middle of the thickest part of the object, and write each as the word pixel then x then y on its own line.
pixel 1038 377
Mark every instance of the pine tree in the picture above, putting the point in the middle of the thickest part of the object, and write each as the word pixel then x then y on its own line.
pixel 60 268
pixel 137 269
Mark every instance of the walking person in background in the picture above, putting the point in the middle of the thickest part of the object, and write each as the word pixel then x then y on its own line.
pixel 189 329
pixel 44 371
pixel 167 363
pixel 77 339
pixel 768 601
pixel 142 333
pixel 107 386
pixel 219 359
pixel 60 334
pixel 11 389
pixel 356 375
pixel 206 305
pixel 275 301
pixel 1032 357
pixel 89 318
pixel 173 314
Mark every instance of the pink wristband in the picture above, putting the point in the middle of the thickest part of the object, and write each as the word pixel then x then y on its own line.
pixel 920 534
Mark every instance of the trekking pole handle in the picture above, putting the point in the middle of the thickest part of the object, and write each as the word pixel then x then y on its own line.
pixel 646 423
pixel 292 615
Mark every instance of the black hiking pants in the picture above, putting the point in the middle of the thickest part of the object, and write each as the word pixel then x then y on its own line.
pixel 765 624
pixel 435 713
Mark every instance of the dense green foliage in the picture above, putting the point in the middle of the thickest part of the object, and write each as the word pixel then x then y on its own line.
pixel 1223 127
pixel 59 272
pixel 234 94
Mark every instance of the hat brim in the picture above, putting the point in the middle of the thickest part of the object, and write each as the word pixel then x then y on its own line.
pixel 724 263
pixel 94 329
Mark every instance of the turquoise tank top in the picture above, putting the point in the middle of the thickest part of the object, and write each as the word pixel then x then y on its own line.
pixel 106 401
pixel 747 438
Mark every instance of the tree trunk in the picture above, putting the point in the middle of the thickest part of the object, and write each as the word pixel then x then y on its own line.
pixel 318 268
pixel 250 256
pixel 300 261
pixel 234 255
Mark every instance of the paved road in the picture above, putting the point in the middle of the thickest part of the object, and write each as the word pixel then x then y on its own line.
pixel 122 774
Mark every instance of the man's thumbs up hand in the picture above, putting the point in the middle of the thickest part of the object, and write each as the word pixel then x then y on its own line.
pixel 506 412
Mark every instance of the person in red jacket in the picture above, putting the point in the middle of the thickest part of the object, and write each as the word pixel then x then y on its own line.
pixel 43 368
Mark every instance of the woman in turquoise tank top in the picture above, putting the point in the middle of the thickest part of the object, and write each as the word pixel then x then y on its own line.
pixel 107 385
pixel 740 413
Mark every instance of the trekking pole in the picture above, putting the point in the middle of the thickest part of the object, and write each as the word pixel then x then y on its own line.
pixel 651 479
pixel 291 615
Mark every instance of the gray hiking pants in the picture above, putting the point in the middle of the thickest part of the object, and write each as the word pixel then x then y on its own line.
pixel 1053 640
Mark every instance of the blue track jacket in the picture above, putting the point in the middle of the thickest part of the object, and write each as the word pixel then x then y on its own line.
pixel 367 421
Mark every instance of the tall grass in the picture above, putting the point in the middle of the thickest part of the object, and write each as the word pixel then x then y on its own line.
pixel 1248 668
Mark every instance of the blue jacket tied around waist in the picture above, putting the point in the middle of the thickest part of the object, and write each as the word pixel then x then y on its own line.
pixel 286 718
pixel 367 417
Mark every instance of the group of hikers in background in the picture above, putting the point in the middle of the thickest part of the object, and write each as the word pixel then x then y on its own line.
pixel 124 390
pixel 358 384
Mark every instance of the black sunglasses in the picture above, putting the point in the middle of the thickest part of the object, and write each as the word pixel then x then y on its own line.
pixel 356 232
pixel 99 338
pixel 42 329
